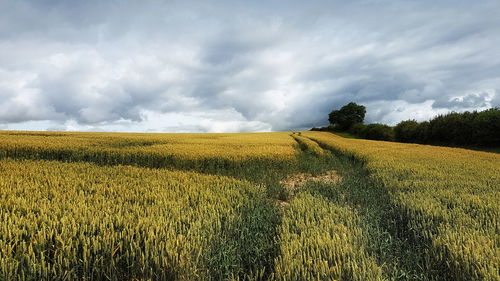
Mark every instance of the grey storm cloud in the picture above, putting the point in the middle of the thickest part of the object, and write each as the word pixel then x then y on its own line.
pixel 217 66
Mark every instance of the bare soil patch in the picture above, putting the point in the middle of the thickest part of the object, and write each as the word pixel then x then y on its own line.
pixel 282 204
pixel 297 180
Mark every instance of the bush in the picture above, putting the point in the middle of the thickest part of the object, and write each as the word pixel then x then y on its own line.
pixel 378 132
pixel 488 128
pixel 422 134
pixel 325 129
pixel 406 131
pixel 463 129
pixel 357 129
pixel 373 131
pixel 467 128
pixel 479 129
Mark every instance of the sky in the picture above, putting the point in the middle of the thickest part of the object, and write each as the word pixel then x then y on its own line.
pixel 242 66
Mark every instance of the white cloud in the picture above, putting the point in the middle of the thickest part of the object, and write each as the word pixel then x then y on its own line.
pixel 241 66
pixel 392 112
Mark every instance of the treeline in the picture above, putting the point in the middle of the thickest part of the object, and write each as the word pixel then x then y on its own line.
pixel 468 128
pixel 476 128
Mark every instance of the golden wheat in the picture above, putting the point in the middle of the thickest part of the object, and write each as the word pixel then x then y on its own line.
pixel 104 220
pixel 74 221
pixel 450 197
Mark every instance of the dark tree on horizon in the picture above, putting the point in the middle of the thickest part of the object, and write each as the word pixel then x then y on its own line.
pixel 347 116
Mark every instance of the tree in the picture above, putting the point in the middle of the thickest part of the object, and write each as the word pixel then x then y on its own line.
pixel 347 116
pixel 407 131
pixel 378 132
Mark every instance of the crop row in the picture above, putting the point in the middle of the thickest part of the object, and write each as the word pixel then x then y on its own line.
pixel 320 240
pixel 84 221
pixel 448 198
pixel 240 155
pixel 78 221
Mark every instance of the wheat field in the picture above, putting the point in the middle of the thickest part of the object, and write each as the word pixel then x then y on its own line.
pixel 122 206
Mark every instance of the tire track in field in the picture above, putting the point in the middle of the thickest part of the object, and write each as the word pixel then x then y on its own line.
pixel 400 252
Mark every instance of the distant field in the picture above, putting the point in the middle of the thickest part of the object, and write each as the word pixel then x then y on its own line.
pixel 262 206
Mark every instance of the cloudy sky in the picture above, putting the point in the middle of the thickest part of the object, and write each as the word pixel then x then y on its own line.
pixel 234 66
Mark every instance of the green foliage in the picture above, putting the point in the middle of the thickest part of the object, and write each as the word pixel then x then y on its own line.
pixel 406 131
pixel 463 129
pixel 346 135
pixel 373 131
pixel 325 129
pixel 357 129
pixel 347 116
pixel 379 132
